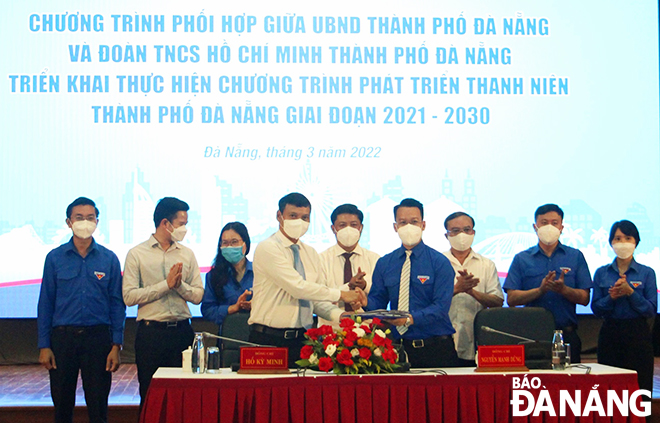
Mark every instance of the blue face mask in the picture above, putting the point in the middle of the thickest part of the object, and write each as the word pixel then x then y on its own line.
pixel 232 254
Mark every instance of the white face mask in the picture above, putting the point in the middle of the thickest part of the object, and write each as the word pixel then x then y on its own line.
pixel 410 234
pixel 295 228
pixel 461 242
pixel 624 250
pixel 348 236
pixel 548 234
pixel 83 228
pixel 179 233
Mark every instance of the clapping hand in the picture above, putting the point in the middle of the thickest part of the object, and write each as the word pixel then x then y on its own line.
pixel 465 282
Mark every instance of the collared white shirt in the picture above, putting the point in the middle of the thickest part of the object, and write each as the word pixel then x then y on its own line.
pixel 333 265
pixel 464 307
pixel 145 281
pixel 278 287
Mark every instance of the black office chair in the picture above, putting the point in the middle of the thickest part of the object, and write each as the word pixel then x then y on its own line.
pixel 534 323
pixel 235 326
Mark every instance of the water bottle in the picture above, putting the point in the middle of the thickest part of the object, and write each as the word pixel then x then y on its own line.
pixel 558 351
pixel 198 354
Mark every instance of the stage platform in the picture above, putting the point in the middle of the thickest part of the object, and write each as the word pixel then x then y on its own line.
pixel 25 395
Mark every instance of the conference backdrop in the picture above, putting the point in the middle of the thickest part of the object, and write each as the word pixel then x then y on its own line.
pixel 490 107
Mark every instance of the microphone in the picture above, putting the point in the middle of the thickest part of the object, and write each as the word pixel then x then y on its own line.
pixel 224 338
pixel 510 335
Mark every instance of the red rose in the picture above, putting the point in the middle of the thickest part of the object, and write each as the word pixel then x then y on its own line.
pixel 326 330
pixel 366 329
pixel 329 340
pixel 312 333
pixel 350 338
pixel 325 364
pixel 345 358
pixel 346 323
pixel 379 340
pixel 306 352
pixel 388 342
pixel 365 353
pixel 390 355
pixel 376 321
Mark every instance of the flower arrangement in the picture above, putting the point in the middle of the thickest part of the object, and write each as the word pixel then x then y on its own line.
pixel 355 347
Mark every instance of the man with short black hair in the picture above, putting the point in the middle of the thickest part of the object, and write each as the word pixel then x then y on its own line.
pixel 288 283
pixel 347 264
pixel 417 279
pixel 161 275
pixel 81 316
pixel 551 275
pixel 476 286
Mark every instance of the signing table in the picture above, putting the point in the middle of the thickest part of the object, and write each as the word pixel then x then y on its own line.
pixel 459 396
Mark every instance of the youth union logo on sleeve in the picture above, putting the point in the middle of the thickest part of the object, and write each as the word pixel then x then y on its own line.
pixel 99 275
pixel 636 284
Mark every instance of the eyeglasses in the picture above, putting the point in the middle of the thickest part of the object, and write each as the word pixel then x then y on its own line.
pixel 455 231
pixel 231 243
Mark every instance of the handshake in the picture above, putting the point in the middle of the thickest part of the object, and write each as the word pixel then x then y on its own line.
pixel 356 298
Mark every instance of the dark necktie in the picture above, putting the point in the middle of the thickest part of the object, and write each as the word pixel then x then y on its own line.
pixel 348 274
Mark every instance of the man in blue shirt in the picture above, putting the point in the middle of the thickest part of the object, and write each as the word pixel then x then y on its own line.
pixel 420 280
pixel 551 275
pixel 81 316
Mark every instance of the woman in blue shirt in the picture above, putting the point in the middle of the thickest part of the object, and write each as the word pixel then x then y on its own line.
pixel 229 282
pixel 625 296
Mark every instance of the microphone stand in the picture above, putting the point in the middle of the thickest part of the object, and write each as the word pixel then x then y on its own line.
pixel 489 329
pixel 224 338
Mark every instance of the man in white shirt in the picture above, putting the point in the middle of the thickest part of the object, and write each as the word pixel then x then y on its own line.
pixel 288 283
pixel 161 275
pixel 346 264
pixel 476 286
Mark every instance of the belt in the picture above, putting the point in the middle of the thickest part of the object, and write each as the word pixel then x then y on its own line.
pixel 293 333
pixel 83 330
pixel 421 343
pixel 164 325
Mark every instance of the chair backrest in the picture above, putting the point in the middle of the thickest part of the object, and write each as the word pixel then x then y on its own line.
pixel 235 326
pixel 529 322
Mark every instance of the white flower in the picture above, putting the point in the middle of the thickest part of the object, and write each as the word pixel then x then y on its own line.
pixel 359 332
pixel 380 333
pixel 378 352
pixel 313 359
pixel 330 349
pixel 355 352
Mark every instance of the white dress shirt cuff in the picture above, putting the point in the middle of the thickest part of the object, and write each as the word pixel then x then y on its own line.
pixel 162 288
pixel 336 314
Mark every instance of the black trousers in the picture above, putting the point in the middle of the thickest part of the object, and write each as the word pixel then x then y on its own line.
pixel 159 346
pixel 466 363
pixel 84 350
pixel 434 352
pixel 627 344
pixel 294 345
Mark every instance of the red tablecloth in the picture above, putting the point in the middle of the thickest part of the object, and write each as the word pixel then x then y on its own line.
pixel 483 398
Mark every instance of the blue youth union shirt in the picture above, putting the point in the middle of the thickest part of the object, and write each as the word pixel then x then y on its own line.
pixel 77 291
pixel 215 308
pixel 431 290
pixel 529 267
pixel 642 303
